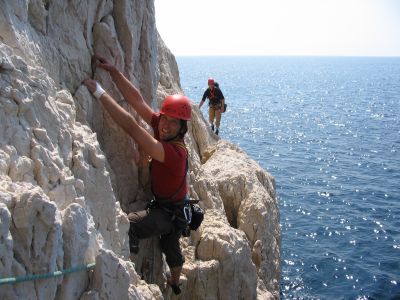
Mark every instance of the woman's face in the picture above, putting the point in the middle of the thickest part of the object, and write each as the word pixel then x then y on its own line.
pixel 168 127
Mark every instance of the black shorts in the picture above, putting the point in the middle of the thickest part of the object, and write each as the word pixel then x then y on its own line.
pixel 158 222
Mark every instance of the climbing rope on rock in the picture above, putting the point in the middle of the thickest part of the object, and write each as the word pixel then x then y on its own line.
pixel 12 280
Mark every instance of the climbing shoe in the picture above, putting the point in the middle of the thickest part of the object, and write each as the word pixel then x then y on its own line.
pixel 212 127
pixel 176 289
pixel 217 131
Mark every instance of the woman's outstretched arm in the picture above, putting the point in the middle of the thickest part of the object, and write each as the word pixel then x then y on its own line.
pixel 126 121
pixel 131 94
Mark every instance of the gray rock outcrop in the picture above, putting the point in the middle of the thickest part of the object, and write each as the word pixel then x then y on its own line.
pixel 69 175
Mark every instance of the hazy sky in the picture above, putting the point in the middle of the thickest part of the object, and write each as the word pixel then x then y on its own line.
pixel 280 27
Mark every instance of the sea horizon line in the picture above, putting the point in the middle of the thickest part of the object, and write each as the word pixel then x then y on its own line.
pixel 294 56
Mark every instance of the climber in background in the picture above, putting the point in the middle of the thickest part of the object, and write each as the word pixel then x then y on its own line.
pixel 216 104
pixel 168 167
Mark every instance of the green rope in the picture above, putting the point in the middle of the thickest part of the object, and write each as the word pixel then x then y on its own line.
pixel 47 275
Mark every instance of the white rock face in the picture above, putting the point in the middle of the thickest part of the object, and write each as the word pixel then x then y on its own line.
pixel 68 174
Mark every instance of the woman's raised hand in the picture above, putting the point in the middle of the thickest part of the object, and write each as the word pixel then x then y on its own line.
pixel 105 64
pixel 90 84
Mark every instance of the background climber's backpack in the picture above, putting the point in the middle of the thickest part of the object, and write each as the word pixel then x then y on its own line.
pixel 216 84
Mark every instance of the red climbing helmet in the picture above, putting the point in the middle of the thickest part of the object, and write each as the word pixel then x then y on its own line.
pixel 211 81
pixel 177 106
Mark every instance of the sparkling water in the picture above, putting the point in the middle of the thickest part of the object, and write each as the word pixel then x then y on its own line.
pixel 328 130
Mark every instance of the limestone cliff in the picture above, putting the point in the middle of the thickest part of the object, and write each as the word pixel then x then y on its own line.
pixel 68 174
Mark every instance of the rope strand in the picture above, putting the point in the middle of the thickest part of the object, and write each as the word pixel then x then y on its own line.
pixel 11 280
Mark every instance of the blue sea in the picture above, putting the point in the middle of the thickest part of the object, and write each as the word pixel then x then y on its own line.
pixel 328 130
